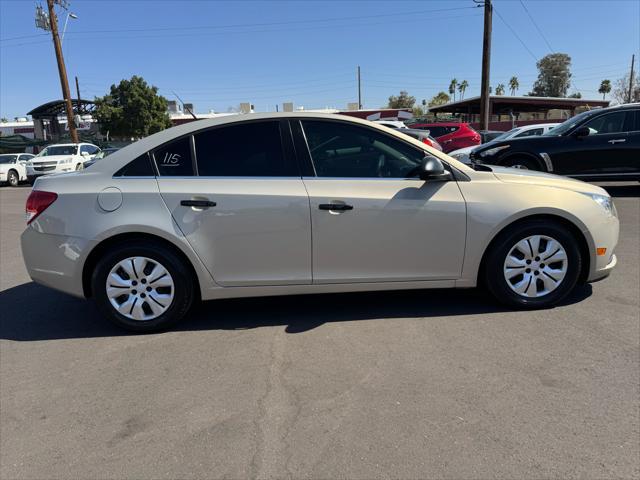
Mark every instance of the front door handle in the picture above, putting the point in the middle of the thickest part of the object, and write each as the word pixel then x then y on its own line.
pixel 335 206
pixel 197 203
pixel 617 140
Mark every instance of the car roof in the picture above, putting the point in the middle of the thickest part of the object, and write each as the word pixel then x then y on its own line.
pixel 130 152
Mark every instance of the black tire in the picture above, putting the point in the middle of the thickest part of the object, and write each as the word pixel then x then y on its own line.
pixel 183 290
pixel 12 178
pixel 521 162
pixel 493 275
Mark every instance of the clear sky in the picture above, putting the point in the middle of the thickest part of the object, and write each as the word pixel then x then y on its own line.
pixel 217 54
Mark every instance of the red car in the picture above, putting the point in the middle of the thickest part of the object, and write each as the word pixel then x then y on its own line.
pixel 451 135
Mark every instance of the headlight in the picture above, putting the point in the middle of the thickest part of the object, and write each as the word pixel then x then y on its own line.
pixel 605 202
pixel 492 151
pixel 28 164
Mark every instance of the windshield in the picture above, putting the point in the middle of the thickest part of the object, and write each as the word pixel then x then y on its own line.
pixel 7 158
pixel 59 150
pixel 505 135
pixel 568 124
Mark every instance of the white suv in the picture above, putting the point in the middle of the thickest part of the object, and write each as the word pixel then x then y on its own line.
pixel 63 157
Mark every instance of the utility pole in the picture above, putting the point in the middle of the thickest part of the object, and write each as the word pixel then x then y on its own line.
pixel 633 58
pixel 78 92
pixel 64 82
pixel 486 63
pixel 359 90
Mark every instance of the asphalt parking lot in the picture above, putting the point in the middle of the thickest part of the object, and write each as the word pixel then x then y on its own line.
pixel 423 384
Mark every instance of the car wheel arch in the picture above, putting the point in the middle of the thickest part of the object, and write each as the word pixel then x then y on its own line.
pixel 123 238
pixel 584 241
pixel 528 156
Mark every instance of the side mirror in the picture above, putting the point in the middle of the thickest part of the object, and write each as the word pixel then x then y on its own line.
pixel 432 169
pixel 582 132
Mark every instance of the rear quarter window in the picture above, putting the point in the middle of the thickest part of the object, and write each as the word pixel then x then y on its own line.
pixel 140 167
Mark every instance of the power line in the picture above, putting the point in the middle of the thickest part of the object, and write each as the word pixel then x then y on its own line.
pixel 516 35
pixel 537 27
pixel 249 25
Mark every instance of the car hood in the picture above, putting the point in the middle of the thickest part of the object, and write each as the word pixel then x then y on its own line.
pixel 51 158
pixel 532 177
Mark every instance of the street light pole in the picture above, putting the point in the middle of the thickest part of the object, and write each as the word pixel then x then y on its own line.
pixel 64 82
pixel 64 29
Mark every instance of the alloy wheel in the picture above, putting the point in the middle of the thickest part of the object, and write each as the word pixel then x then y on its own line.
pixel 535 266
pixel 140 288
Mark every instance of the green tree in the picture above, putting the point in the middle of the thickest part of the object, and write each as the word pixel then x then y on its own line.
pixel 4 120
pixel 575 95
pixel 514 85
pixel 621 89
pixel 132 109
pixel 500 89
pixel 440 99
pixel 605 87
pixel 554 76
pixel 462 88
pixel 404 100
pixel 452 88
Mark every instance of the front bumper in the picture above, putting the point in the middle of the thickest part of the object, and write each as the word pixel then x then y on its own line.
pixel 55 261
pixel 606 271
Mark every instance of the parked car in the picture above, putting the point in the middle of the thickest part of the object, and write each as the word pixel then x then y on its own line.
pixel 105 152
pixel 314 203
pixel 602 144
pixel 451 135
pixel 462 154
pixel 488 135
pixel 64 157
pixel 396 124
pixel 422 136
pixel 13 169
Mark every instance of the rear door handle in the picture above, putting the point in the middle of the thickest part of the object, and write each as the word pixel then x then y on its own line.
pixel 197 203
pixel 617 140
pixel 335 206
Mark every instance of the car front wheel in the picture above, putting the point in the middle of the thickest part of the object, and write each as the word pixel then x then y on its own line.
pixel 12 178
pixel 142 287
pixel 534 265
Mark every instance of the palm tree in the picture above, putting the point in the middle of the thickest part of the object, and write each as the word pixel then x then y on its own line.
pixel 462 87
pixel 605 87
pixel 500 89
pixel 514 85
pixel 452 88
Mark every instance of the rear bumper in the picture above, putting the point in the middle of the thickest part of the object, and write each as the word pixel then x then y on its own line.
pixel 55 261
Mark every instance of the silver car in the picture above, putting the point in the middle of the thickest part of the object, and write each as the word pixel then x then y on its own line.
pixel 296 203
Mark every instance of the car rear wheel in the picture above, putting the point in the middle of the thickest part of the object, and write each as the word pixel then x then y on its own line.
pixel 522 163
pixel 142 287
pixel 534 265
pixel 12 178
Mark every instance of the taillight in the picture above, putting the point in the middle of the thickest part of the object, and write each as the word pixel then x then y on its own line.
pixel 37 202
pixel 427 141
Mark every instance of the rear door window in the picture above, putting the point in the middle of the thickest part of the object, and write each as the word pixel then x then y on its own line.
pixel 174 159
pixel 247 150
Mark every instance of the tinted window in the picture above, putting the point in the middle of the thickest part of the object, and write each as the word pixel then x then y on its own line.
pixel 344 150
pixel 247 150
pixel 59 150
pixel 173 159
pixel 140 167
pixel 24 158
pixel 530 133
pixel 8 158
pixel 615 122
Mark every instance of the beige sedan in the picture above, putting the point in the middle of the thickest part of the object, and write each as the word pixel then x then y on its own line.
pixel 280 204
